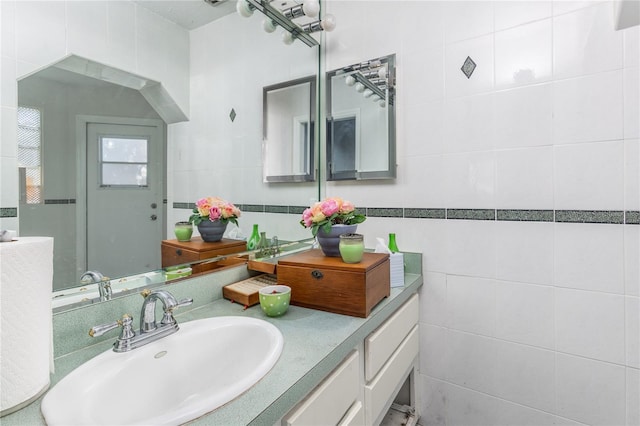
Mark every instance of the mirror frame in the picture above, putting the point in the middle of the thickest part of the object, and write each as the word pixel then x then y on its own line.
pixel 310 176
pixel 391 171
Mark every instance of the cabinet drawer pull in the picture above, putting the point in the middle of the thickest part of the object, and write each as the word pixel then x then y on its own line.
pixel 179 252
pixel 317 274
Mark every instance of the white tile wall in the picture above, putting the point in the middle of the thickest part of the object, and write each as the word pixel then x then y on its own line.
pixel 481 51
pixel 584 42
pixel 588 109
pixel 536 321
pixel 589 257
pixel 588 324
pixel 589 391
pixel 471 304
pixel 523 117
pixel 524 178
pixel 523 55
pixel 600 189
pixel 525 313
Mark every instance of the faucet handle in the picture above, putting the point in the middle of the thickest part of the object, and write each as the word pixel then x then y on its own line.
pixel 167 317
pixel 125 323
pixel 183 302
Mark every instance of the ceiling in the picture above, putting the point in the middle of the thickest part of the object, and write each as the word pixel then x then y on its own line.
pixel 189 14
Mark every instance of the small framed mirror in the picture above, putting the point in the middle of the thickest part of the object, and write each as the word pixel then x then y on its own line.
pixel 289 110
pixel 361 124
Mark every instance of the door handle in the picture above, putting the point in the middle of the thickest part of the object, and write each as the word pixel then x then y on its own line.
pixel 153 217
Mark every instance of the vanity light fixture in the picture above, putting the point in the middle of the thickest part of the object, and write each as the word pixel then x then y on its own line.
pixel 285 18
pixel 371 79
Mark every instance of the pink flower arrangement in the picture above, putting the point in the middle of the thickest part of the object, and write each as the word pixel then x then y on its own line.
pixel 330 211
pixel 214 208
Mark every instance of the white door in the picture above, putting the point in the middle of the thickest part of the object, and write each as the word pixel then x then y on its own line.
pixel 124 198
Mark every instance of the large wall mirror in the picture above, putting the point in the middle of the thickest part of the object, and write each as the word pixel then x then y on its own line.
pixel 289 131
pixel 224 122
pixel 361 141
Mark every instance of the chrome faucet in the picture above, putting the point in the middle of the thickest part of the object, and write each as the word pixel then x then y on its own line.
pixel 104 285
pixel 149 331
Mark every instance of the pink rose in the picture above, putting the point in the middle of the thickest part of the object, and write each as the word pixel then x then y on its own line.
pixel 203 205
pixel 317 215
pixel 347 207
pixel 329 207
pixel 307 217
pixel 215 213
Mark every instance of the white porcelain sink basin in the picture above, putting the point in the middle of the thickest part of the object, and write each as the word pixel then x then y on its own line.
pixel 202 366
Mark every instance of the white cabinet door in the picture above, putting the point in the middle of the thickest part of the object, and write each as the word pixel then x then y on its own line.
pixel 329 402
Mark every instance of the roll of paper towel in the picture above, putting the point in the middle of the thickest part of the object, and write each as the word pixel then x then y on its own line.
pixel 26 355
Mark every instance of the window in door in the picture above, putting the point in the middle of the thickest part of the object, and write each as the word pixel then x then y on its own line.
pixel 123 161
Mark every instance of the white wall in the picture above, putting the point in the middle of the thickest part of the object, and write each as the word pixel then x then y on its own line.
pixel 115 33
pixel 522 322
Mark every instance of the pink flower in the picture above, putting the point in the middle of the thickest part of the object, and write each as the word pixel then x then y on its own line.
pixel 204 205
pixel 307 217
pixel 347 207
pixel 329 207
pixel 215 213
pixel 316 213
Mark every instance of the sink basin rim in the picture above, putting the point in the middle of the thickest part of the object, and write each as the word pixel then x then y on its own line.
pixel 177 412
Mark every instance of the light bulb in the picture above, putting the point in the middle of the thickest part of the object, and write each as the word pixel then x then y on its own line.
pixel 359 87
pixel 375 98
pixel 287 38
pixel 367 93
pixel 244 8
pixel 328 23
pixel 382 104
pixel 350 80
pixel 382 72
pixel 269 25
pixel 311 8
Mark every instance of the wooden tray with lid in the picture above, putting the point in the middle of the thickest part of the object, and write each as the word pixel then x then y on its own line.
pixel 329 284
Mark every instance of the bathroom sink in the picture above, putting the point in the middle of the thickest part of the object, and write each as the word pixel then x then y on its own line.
pixel 202 366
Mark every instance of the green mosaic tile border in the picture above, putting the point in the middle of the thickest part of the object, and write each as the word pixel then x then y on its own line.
pixel 525 215
pixel 471 214
pixel 629 217
pixel 60 201
pixel 8 212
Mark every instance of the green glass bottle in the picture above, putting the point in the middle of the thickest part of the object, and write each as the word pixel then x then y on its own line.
pixel 392 243
pixel 254 238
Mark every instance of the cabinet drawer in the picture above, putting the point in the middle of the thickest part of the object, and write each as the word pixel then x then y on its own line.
pixel 176 256
pixel 355 415
pixel 328 403
pixel 382 389
pixel 380 344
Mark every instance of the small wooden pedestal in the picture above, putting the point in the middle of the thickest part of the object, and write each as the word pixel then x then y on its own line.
pixel 329 284
pixel 176 252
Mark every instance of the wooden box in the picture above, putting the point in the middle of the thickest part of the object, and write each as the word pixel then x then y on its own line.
pixel 176 252
pixel 329 284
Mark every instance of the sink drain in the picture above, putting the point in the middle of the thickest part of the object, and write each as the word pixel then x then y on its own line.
pixel 160 354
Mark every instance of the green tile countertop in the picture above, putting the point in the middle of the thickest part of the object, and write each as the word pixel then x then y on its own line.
pixel 315 342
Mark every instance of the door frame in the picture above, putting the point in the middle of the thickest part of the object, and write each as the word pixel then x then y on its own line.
pixel 82 122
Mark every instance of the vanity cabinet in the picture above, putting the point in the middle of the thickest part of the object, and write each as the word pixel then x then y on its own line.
pixel 176 252
pixel 363 387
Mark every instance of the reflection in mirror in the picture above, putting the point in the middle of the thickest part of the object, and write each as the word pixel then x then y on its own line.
pixel 288 131
pixel 361 121
pixel 91 156
pixel 89 293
